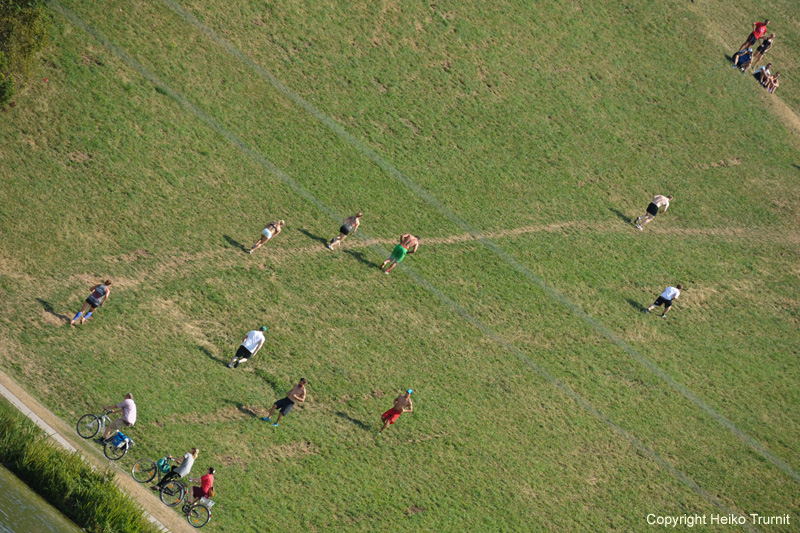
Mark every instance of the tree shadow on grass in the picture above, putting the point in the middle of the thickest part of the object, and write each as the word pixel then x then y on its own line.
pixel 352 420
pixel 49 309
pixel 313 237
pixel 235 244
pixel 212 356
pixel 621 215
pixel 636 305
pixel 361 258
pixel 243 409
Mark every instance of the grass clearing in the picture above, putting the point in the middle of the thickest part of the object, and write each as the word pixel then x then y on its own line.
pixel 545 152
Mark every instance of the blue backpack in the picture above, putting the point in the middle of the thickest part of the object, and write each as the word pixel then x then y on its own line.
pixel 119 439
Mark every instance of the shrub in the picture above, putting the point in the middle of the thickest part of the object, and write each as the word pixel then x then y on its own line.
pixel 90 498
pixel 23 34
pixel 6 83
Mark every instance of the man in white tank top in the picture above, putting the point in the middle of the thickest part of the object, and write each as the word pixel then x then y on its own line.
pixel 652 210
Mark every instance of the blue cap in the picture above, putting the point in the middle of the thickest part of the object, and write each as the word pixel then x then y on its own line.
pixel 409 391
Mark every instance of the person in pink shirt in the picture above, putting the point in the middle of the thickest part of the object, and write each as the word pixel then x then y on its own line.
pixel 759 30
pixel 128 418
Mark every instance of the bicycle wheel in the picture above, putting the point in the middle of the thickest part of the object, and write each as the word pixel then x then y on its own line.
pixel 88 426
pixel 198 516
pixel 172 494
pixel 144 470
pixel 114 453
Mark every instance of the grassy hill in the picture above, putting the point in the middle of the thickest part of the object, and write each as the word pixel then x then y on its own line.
pixel 169 134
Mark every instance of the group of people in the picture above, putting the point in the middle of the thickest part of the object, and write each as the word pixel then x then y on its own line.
pixel 745 58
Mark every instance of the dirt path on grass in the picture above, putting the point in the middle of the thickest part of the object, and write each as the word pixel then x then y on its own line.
pixel 66 436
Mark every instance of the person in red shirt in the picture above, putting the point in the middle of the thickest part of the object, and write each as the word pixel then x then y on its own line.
pixel 206 482
pixel 759 30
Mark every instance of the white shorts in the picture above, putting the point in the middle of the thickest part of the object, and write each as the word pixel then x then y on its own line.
pixel 266 233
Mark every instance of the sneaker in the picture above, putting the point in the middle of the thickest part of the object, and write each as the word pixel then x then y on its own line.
pixel 329 247
pixel 251 252
pixel 229 365
pixel 639 227
pixel 275 424
pixel 266 419
pixel 236 364
pixel 386 272
pixel 155 488
pixel 100 440
pixel 646 311
pixel 664 316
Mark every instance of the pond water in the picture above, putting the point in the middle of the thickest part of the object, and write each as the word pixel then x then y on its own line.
pixel 24 511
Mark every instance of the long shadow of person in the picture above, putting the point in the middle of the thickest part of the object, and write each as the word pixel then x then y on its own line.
pixel 361 258
pixel 276 384
pixel 352 420
pixel 48 308
pixel 621 215
pixel 636 305
pixel 243 409
pixel 796 166
pixel 313 237
pixel 235 244
pixel 212 356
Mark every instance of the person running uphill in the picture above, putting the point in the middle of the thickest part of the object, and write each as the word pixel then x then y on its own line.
pixel 99 296
pixel 666 298
pixel 652 210
pixel 269 231
pixel 402 404
pixel 297 394
pixel 408 245
pixel 251 344
pixel 349 225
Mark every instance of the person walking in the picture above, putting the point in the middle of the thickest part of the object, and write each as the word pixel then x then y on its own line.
pixel 652 210
pixel 349 225
pixel 128 409
pixel 762 49
pixel 297 394
pixel 269 231
pixel 251 344
pixel 100 294
pixel 408 245
pixel 402 404
pixel 180 470
pixel 666 298
pixel 759 30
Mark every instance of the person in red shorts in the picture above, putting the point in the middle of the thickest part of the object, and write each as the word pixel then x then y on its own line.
pixel 206 482
pixel 759 30
pixel 402 404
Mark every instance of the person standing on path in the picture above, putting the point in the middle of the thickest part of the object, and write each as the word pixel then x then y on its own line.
pixel 128 418
pixel 269 231
pixel 99 296
pixel 666 298
pixel 297 394
pixel 759 30
pixel 180 470
pixel 251 344
pixel 408 245
pixel 349 225
pixel 402 404
pixel 652 210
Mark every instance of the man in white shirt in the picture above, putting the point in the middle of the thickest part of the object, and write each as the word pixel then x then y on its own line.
pixel 128 418
pixel 652 210
pixel 762 74
pixel 251 344
pixel 666 298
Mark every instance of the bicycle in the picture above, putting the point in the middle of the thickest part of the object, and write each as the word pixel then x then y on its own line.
pixel 89 425
pixel 198 514
pixel 145 470
pixel 117 446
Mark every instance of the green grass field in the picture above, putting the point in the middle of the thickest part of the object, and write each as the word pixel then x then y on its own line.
pixel 168 134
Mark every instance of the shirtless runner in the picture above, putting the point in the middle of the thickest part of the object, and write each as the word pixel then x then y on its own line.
pixel 652 210
pixel 269 231
pixel 408 245
pixel 297 394
pixel 349 225
pixel 402 404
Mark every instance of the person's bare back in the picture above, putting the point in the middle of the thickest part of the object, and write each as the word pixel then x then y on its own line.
pixel 402 402
pixel 408 241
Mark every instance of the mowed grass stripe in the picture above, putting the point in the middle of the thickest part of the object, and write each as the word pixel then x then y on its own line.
pixel 430 288
pixel 431 200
